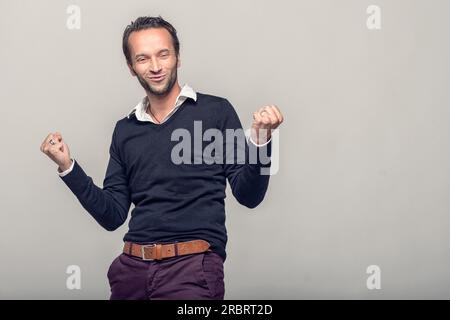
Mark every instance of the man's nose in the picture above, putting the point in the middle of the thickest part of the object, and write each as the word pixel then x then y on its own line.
pixel 155 65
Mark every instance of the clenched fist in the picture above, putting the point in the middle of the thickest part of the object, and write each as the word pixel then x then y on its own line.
pixel 265 120
pixel 54 147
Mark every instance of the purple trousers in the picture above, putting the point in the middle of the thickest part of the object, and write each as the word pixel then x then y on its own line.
pixel 193 276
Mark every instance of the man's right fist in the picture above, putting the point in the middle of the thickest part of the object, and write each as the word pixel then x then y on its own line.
pixel 54 147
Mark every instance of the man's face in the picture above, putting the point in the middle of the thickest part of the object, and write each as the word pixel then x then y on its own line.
pixel 153 55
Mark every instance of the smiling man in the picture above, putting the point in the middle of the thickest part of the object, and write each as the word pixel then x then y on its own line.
pixel 175 245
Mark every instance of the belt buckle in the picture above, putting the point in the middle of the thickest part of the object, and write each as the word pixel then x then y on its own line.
pixel 143 251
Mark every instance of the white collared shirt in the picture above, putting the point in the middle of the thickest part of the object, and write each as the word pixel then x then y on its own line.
pixel 142 115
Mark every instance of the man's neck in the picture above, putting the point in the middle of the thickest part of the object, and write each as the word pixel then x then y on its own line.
pixel 161 105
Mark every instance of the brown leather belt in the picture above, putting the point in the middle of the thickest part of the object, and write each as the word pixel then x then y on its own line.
pixel 158 251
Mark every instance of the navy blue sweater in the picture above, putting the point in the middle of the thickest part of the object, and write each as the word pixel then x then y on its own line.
pixel 173 202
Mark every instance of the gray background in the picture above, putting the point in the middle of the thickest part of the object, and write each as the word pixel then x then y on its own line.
pixel 364 160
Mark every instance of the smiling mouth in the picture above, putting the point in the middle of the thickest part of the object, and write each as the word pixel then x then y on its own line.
pixel 159 79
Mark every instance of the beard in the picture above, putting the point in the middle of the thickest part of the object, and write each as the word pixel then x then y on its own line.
pixel 167 85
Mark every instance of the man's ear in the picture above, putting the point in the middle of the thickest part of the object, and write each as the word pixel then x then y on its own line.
pixel 178 62
pixel 131 69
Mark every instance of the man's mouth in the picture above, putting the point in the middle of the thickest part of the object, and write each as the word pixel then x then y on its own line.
pixel 157 79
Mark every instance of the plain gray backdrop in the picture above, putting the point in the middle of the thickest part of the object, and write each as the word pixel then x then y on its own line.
pixel 364 159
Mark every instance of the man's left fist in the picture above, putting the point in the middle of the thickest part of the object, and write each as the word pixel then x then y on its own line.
pixel 265 120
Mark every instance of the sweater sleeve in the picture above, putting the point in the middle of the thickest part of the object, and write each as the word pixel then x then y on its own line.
pixel 245 164
pixel 109 205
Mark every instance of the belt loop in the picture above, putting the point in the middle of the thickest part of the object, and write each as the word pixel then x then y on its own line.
pixel 158 251
pixel 176 248
pixel 131 247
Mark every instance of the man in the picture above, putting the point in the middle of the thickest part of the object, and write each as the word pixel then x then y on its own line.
pixel 175 246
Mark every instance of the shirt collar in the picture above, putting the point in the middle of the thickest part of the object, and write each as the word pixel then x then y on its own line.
pixel 186 92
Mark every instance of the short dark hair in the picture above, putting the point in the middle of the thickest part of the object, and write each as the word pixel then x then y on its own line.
pixel 146 22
